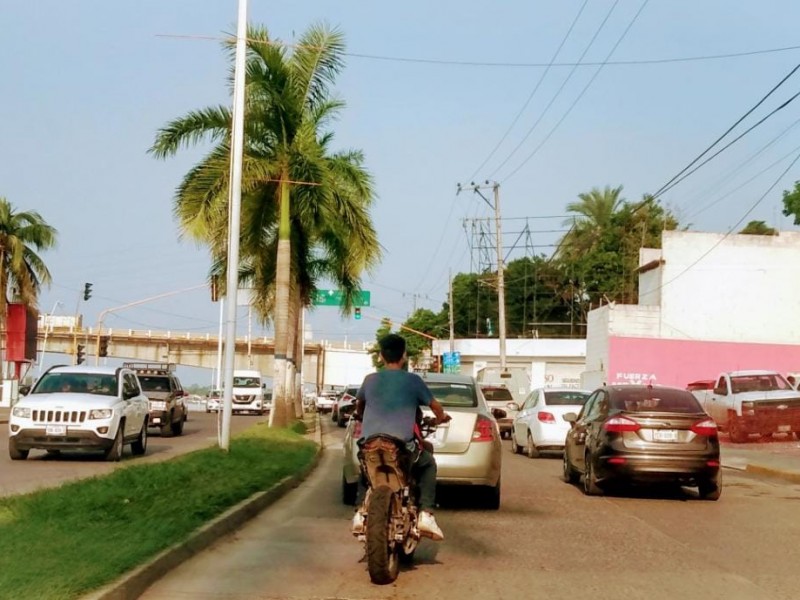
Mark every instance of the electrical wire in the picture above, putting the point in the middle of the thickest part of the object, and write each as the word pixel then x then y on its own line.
pixel 533 93
pixel 763 99
pixel 558 91
pixel 583 91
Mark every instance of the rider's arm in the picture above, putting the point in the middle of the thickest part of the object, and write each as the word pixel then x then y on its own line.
pixel 359 411
pixel 438 411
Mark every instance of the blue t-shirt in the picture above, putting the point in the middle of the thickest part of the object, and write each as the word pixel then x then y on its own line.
pixel 391 398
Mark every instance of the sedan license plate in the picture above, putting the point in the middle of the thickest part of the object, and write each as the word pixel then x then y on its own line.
pixel 784 428
pixel 56 430
pixel 666 435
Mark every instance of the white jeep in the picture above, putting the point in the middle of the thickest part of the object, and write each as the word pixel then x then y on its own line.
pixel 80 408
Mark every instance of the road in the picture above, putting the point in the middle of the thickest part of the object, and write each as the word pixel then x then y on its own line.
pixel 42 470
pixel 547 541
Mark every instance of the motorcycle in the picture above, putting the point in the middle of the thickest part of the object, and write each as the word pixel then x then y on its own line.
pixel 392 501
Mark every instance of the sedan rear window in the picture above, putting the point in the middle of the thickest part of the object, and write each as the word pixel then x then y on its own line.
pixel 453 394
pixel 655 400
pixel 497 394
pixel 565 398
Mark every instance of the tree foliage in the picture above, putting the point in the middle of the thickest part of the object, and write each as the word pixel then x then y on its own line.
pixel 791 203
pixel 758 228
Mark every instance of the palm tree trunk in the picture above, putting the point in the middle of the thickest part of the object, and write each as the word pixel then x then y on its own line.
pixel 291 353
pixel 298 358
pixel 278 415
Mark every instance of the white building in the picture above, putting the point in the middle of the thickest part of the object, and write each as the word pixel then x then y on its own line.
pixel 707 303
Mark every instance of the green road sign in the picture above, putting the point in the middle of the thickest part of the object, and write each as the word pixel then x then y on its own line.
pixel 335 297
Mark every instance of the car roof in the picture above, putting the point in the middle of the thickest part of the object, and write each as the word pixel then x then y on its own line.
pixel 447 378
pixel 625 386
pixel 749 372
pixel 547 390
pixel 85 369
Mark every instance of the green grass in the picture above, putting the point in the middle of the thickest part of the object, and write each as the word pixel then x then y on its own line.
pixel 64 542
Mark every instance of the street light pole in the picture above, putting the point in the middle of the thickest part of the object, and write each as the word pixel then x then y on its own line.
pixel 46 331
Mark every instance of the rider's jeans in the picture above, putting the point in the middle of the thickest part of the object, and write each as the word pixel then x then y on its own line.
pixel 425 473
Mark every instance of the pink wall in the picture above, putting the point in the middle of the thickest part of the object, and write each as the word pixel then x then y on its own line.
pixel 677 362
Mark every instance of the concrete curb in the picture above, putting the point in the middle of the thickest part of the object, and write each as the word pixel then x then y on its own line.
pixel 790 476
pixel 133 584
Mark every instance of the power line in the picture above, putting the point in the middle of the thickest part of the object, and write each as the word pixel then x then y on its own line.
pixel 764 98
pixel 583 91
pixel 726 146
pixel 533 93
pixel 558 91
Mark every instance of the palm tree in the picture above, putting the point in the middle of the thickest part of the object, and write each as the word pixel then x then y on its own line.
pixel 286 225
pixel 22 234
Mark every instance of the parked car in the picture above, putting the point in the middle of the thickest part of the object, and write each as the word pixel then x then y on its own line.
pixel 168 410
pixel 642 433
pixel 500 400
pixel 81 408
pixel 325 401
pixel 344 406
pixel 539 422
pixel 214 401
pixel 467 449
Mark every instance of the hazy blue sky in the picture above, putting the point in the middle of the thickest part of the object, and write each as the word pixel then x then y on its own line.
pixel 87 84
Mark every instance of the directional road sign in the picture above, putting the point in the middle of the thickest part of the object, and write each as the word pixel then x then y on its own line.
pixel 336 298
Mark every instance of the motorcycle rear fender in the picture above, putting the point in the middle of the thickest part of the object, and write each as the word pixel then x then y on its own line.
pixel 383 460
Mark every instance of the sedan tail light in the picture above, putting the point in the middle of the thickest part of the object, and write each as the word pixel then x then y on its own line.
pixel 545 417
pixel 705 427
pixel 484 430
pixel 620 424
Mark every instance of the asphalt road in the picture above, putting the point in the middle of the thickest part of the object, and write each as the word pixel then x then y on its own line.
pixel 41 470
pixel 547 541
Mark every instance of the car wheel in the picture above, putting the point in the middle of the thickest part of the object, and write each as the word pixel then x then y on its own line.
pixel 569 474
pixel 530 449
pixel 349 491
pixel 177 428
pixel 166 428
pixel 590 487
pixel 710 489
pixel 515 447
pixel 114 453
pixel 492 497
pixel 139 445
pixel 15 453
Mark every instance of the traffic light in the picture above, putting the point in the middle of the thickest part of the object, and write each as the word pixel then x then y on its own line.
pixel 87 291
pixel 80 354
pixel 102 347
pixel 358 312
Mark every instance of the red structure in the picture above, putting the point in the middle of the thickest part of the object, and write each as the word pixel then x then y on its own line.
pixel 21 331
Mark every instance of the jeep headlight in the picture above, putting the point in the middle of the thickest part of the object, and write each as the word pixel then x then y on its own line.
pixel 158 405
pixel 100 413
pixel 23 412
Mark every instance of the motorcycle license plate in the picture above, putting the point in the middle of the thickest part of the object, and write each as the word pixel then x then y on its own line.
pixel 56 430
pixel 666 435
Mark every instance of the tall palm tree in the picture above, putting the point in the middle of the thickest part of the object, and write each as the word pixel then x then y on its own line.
pixel 294 189
pixel 22 235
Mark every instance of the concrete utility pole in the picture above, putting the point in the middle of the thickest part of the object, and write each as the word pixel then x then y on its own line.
pixel 234 222
pixel 452 324
pixel 501 286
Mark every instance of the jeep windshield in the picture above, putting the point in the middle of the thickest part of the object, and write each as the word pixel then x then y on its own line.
pixel 76 383
pixel 246 382
pixel 154 383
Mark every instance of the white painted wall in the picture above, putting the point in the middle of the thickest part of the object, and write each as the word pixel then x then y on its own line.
pixel 346 366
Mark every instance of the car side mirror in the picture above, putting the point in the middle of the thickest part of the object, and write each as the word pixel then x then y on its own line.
pixel 24 390
pixel 720 391
pixel 512 406
pixel 570 418
pixel 498 413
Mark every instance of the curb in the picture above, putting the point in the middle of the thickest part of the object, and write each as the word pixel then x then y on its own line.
pixel 133 584
pixel 790 476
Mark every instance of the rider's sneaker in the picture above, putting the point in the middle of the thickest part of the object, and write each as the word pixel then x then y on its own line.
pixel 428 527
pixel 358 523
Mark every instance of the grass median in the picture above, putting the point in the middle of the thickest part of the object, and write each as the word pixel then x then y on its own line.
pixel 64 542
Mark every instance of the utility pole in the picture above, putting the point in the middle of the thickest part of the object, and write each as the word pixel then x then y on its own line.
pixel 501 287
pixel 452 324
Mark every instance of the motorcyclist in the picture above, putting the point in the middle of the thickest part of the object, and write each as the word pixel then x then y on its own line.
pixel 387 402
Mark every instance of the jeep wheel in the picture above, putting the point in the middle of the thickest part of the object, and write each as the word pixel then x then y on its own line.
pixel 177 428
pixel 15 453
pixel 139 445
pixel 114 453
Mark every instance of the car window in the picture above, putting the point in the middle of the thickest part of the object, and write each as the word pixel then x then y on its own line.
pixel 566 398
pixel 589 406
pixel 759 383
pixel 352 391
pixel 130 387
pixel 154 383
pixel 497 394
pixel 76 383
pixel 655 400
pixel 453 394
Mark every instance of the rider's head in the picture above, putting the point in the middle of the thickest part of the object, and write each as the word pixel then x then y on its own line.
pixel 393 348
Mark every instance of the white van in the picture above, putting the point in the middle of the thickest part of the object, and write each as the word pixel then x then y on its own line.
pixel 248 392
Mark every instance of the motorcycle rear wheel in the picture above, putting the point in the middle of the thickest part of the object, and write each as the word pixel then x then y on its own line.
pixel 382 560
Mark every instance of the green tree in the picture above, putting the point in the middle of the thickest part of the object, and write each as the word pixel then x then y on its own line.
pixel 758 228
pixel 426 322
pixel 305 209
pixel 791 203
pixel 22 271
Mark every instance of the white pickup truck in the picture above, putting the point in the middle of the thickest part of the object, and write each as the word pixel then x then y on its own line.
pixel 752 402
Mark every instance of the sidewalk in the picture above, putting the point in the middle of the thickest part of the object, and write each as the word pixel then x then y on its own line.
pixel 773 458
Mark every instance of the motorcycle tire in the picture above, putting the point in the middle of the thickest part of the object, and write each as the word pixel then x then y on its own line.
pixel 383 562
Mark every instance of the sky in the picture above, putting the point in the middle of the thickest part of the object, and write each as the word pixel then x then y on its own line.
pixel 437 94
